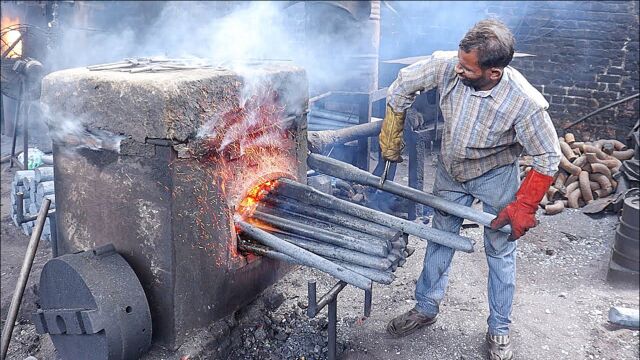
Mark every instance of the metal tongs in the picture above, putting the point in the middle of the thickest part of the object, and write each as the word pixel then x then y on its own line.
pixel 387 163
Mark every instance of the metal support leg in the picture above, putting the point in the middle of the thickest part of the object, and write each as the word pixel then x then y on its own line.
pixel 330 299
pixel 25 136
pixel 332 315
pixel 16 119
pixel 53 229
pixel 367 303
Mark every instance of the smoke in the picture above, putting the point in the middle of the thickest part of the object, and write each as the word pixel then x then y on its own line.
pixel 70 132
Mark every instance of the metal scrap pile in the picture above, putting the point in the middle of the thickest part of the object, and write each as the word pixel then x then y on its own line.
pixel 588 171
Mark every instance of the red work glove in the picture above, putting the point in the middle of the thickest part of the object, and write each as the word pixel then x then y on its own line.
pixel 521 213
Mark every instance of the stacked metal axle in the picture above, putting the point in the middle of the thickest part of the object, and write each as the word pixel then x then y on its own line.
pixel 302 225
pixel 36 186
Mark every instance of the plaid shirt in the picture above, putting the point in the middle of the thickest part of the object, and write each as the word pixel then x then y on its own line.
pixel 483 130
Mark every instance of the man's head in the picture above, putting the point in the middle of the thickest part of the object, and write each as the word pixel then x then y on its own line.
pixel 484 52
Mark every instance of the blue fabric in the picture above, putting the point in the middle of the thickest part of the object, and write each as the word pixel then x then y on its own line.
pixel 495 189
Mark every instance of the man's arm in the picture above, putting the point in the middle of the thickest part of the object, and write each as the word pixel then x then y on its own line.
pixel 538 136
pixel 539 139
pixel 421 76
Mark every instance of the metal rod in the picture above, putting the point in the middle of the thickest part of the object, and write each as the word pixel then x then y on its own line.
pixel 334 115
pixel 382 277
pixel 15 124
pixel 25 137
pixel 333 216
pixel 341 170
pixel 332 314
pixel 330 299
pixel 330 227
pixel 320 140
pixel 378 276
pixel 304 255
pixel 308 194
pixel 367 303
pixel 318 97
pixel 600 110
pixel 312 306
pixel 53 227
pixel 22 279
pixel 324 236
pixel 338 253
pixel 20 208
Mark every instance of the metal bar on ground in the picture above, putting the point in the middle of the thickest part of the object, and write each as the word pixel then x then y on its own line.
pixel 304 255
pixel 308 194
pixel 341 170
pixel 321 235
pixel 22 279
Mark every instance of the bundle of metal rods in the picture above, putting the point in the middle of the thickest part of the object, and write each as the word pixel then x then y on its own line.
pixel 322 119
pixel 302 225
pixel 36 185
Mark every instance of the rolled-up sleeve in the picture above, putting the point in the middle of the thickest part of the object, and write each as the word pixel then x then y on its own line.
pixel 539 139
pixel 419 76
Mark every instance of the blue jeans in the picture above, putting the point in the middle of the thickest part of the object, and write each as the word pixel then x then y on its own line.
pixel 495 190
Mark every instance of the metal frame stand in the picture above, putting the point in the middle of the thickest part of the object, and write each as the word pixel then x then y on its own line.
pixel 16 121
pixel 331 299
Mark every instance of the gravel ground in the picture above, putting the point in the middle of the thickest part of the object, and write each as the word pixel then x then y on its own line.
pixel 560 308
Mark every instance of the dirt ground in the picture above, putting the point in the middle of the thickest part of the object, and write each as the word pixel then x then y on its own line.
pixel 560 309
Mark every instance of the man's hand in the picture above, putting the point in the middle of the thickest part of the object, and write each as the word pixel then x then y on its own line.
pixel 521 213
pixel 390 137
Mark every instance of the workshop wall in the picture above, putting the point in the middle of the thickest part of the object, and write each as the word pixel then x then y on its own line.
pixel 586 53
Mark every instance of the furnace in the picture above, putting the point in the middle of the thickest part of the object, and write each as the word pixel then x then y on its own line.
pixel 156 161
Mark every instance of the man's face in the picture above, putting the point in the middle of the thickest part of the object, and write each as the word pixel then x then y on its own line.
pixel 470 72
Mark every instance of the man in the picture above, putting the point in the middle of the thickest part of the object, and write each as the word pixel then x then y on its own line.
pixel 491 114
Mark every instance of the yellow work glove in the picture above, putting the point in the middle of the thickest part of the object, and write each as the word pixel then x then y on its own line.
pixel 390 138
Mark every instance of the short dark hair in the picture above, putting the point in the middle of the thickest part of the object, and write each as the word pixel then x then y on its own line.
pixel 494 42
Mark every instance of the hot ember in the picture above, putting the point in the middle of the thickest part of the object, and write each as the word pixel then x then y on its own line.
pixel 248 205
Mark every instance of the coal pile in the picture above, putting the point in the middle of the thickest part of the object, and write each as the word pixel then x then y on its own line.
pixel 284 334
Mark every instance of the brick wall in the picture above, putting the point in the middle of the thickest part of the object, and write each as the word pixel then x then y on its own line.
pixel 586 52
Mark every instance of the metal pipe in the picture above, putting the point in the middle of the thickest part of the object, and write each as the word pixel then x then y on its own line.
pixel 321 235
pixel 15 124
pixel 20 208
pixel 22 279
pixel 315 120
pixel 339 169
pixel 333 216
pixel 310 195
pixel 338 253
pixel 304 255
pixel 329 226
pixel 367 303
pixel 320 140
pixel 332 314
pixel 335 116
pixel 373 274
pixel 382 277
pixel 312 306
pixel 599 110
